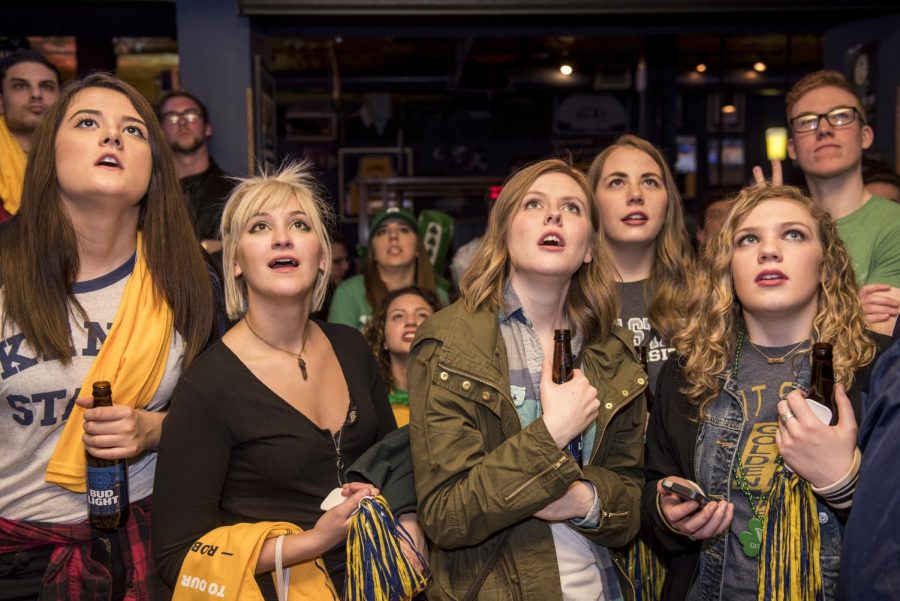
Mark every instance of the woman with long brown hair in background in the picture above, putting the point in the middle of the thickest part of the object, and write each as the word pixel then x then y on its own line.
pixel 643 226
pixel 396 258
pixel 103 279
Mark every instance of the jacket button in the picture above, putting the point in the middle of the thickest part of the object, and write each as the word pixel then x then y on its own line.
pixel 823 517
pixel 485 396
pixel 467 385
pixel 640 381
pixel 444 376
pixel 624 393
pixel 608 405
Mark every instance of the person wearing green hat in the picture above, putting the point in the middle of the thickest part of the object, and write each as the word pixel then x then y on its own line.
pixel 396 259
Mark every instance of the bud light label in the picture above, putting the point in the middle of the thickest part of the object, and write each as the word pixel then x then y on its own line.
pixel 107 490
pixel 575 447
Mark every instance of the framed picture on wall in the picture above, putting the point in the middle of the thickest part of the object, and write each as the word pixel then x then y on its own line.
pixel 358 167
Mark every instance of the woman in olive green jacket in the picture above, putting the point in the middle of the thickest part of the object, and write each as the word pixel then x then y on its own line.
pixel 511 513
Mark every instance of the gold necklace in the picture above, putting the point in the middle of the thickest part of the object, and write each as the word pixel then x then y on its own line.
pixel 300 362
pixel 774 360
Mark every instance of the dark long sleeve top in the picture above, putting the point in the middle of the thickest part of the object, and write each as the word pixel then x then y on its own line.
pixel 233 451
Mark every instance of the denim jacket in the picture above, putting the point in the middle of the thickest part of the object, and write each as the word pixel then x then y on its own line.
pixel 718 439
pixel 680 444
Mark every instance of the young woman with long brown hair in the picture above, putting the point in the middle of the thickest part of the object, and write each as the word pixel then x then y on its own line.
pixel 732 421
pixel 643 227
pixel 499 495
pixel 103 279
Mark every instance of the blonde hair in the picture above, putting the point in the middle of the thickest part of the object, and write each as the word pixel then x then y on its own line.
pixel 667 289
pixel 707 342
pixel 292 183
pixel 592 303
pixel 820 79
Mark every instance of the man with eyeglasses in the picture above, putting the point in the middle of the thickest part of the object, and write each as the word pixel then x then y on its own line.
pixel 828 136
pixel 185 122
pixel 29 85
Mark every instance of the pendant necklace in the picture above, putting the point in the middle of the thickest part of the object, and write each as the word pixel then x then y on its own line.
pixel 300 362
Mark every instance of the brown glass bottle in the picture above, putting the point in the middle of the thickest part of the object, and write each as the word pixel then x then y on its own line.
pixel 821 386
pixel 648 392
pixel 107 479
pixel 563 366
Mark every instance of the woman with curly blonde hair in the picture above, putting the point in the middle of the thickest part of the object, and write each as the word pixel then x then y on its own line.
pixel 732 422
pixel 643 225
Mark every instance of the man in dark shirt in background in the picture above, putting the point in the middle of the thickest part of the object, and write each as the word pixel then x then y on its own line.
pixel 185 122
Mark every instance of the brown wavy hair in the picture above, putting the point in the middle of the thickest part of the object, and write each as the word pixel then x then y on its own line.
pixel 707 342
pixel 375 328
pixel 593 300
pixel 667 289
pixel 39 250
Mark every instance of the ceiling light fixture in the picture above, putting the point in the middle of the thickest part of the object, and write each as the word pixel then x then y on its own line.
pixel 566 70
pixel 759 66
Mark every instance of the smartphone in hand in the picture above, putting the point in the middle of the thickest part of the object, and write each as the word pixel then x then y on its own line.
pixel 684 492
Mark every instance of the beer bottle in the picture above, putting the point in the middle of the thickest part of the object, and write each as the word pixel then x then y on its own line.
pixel 648 392
pixel 563 365
pixel 107 479
pixel 820 397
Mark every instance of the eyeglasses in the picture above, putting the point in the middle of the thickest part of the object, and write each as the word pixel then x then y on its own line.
pixel 836 117
pixel 189 116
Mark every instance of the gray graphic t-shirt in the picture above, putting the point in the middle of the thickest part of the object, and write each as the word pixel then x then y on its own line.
pixel 634 316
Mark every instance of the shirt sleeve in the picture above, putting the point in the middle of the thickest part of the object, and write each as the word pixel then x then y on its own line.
pixel 343 307
pixel 194 454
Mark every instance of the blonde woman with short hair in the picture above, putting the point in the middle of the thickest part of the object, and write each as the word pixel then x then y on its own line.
pixel 264 424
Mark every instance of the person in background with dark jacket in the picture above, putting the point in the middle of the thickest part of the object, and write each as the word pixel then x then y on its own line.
pixel 511 513
pixel 870 559
pixel 731 411
pixel 185 122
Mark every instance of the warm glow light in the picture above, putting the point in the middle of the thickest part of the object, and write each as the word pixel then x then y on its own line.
pixel 759 66
pixel 701 68
pixel 729 108
pixel 776 143
pixel 566 70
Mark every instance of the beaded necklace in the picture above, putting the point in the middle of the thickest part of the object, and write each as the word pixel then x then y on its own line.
pixel 751 537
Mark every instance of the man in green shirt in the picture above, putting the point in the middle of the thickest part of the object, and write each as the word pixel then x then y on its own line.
pixel 828 136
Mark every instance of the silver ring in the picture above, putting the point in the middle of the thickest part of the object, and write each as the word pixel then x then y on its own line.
pixel 787 415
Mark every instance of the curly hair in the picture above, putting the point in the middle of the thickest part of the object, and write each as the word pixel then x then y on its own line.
pixel 375 329
pixel 593 300
pixel 707 342
pixel 667 289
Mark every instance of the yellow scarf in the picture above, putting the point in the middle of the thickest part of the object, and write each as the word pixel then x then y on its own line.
pixel 12 169
pixel 222 564
pixel 133 359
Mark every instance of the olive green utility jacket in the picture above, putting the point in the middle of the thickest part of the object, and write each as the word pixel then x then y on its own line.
pixel 478 472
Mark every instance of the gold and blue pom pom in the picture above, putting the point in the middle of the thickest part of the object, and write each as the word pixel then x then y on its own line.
pixel 377 569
